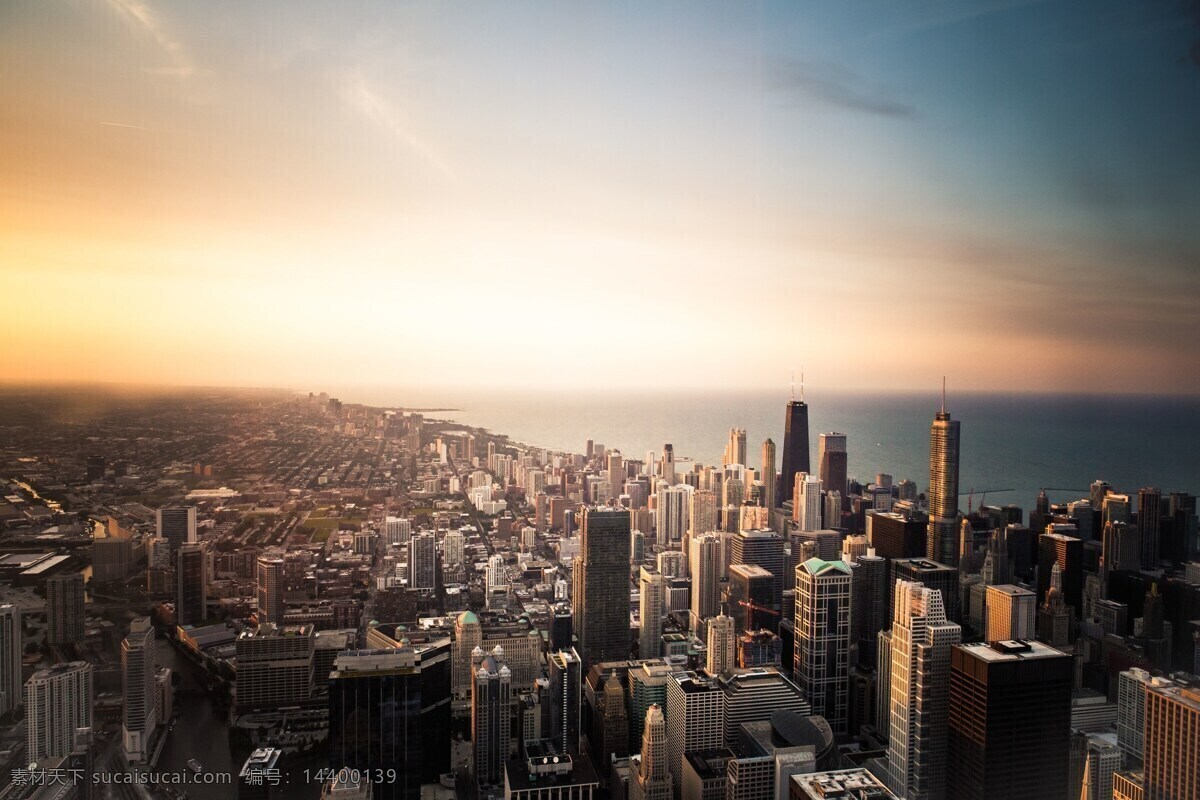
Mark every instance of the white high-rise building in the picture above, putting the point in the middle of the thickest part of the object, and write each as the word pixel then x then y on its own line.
pixel 497 578
pixel 452 548
pixel 822 631
pixel 806 502
pixel 919 695
pixel 139 670
pixel 1011 613
pixel 722 651
pixel 398 530
pixel 833 509
pixel 652 591
pixel 1131 711
pixel 672 506
pixel 10 658
pixel 58 703
pixel 695 717
pixel 1103 759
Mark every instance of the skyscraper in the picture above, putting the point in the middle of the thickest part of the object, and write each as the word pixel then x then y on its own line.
pixel 735 448
pixel 795 442
pixel 899 533
pixel 942 538
pixel 704 567
pixel 1172 745
pixel 832 464
pixel 422 562
pixel 806 502
pixel 721 655
pixel 653 779
pixel 751 597
pixel 667 466
pixel 822 631
pixel 756 695
pixel 770 479
pixel 763 548
pixel 701 516
pixel 191 584
pixel 566 698
pixel 672 512
pixel 491 718
pixel 601 596
pixel 64 608
pixel 998 748
pixel 1103 759
pixel 1121 550
pixel 177 526
pixel 1054 616
pixel 652 594
pixel 1011 613
pixel 138 670
pixel 270 590
pixel 869 587
pixel 1149 522
pixel 58 703
pixel 452 548
pixel 931 574
pixel 921 641
pixel 390 710
pixel 274 666
pixel 468 635
pixel 695 717
pixel 1067 551
pixel 11 651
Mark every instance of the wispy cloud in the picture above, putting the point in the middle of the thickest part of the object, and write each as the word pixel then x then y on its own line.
pixel 950 12
pixel 362 97
pixel 143 17
pixel 834 85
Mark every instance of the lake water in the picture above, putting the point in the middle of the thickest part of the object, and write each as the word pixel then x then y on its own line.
pixel 1021 442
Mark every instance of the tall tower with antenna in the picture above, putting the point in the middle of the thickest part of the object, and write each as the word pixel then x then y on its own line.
pixel 795 442
pixel 943 486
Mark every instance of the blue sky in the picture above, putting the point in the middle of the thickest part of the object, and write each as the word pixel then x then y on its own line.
pixel 668 194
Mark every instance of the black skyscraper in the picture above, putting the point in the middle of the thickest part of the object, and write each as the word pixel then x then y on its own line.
pixel 1010 720
pixel 601 595
pixel 389 714
pixel 1149 523
pixel 795 448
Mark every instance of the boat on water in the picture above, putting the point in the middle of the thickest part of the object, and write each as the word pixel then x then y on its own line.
pixel 194 765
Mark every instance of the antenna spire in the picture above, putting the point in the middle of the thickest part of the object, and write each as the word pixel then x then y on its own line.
pixel 793 386
pixel 802 384
pixel 943 394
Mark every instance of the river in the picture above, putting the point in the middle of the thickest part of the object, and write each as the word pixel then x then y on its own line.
pixel 202 732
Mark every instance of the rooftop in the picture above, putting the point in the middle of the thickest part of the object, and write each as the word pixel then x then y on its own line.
pixel 1011 650
pixel 856 784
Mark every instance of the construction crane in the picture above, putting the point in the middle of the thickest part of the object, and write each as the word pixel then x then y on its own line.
pixel 983 493
pixel 750 604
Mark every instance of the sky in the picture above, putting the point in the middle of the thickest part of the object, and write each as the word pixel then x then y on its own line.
pixel 616 195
